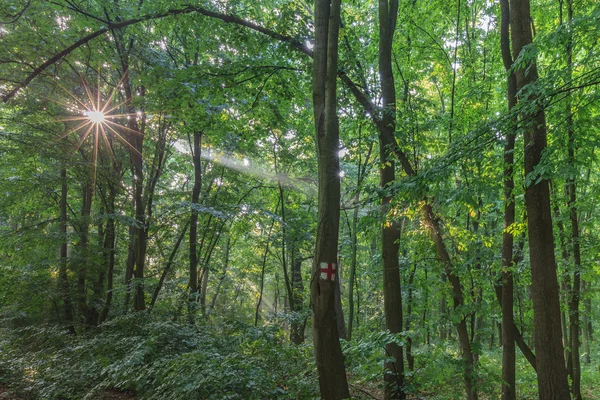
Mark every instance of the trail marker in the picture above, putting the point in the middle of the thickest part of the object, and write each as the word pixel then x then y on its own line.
pixel 327 271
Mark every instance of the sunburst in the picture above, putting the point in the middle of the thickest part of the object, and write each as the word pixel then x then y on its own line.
pixel 98 115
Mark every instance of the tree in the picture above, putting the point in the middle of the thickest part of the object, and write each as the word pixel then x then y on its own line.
pixel 390 236
pixel 552 375
pixel 328 352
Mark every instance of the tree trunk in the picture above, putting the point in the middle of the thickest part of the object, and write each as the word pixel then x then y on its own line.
pixel 193 267
pixel 328 352
pixel 390 234
pixel 409 300
pixel 435 232
pixel 64 254
pixel 223 274
pixel 507 304
pixel 109 249
pixel 575 293
pixel 262 274
pixel 586 323
pixel 163 276
pixel 83 247
pixel 353 262
pixel 135 139
pixel 552 375
pixel 296 302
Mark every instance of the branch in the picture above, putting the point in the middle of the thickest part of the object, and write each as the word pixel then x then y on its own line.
pixel 118 25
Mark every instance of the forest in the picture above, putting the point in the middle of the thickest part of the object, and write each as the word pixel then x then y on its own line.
pixel 299 199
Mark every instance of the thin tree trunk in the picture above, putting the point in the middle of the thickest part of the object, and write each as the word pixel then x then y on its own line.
pixel 109 253
pixel 353 262
pixel 409 300
pixel 586 320
pixel 552 375
pixel 575 293
pixel 262 274
pixel 163 276
pixel 64 254
pixel 507 304
pixel 333 383
pixel 362 167
pixel 296 302
pixel 83 248
pixel 111 235
pixel 193 236
pixel 223 274
pixel 129 266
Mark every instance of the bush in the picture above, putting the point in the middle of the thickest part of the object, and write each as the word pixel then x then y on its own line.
pixel 158 360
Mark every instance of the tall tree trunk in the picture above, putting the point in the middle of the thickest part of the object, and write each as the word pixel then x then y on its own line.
pixel 409 300
pixel 193 268
pixel 109 251
pixel 223 274
pixel 508 324
pixel 135 139
pixel 129 266
pixel 328 352
pixel 64 254
pixel 390 234
pixel 296 302
pixel 575 293
pixel 83 247
pixel 262 274
pixel 552 375
pixel 362 168
pixel 353 264
pixel 167 268
pixel 586 322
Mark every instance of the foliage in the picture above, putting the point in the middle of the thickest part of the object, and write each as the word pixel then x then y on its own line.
pixel 157 359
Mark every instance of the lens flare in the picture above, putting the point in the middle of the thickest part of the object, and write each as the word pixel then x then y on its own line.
pixel 96 117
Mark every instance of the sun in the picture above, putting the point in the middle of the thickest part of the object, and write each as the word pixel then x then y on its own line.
pixel 96 117
pixel 96 114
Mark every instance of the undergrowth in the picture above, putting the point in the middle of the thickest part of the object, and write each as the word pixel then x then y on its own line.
pixel 157 360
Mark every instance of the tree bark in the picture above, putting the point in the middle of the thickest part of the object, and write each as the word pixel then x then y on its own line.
pixel 109 248
pixel 390 234
pixel 328 352
pixel 296 301
pixel 83 246
pixel 64 254
pixel 575 292
pixel 507 304
pixel 552 375
pixel 586 323
pixel 193 236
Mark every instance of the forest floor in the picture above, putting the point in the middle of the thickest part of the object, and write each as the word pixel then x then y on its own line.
pixel 110 394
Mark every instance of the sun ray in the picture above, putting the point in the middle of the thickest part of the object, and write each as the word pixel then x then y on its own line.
pixel 74 130
pixel 84 136
pixel 122 127
pixel 108 143
pixel 122 138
